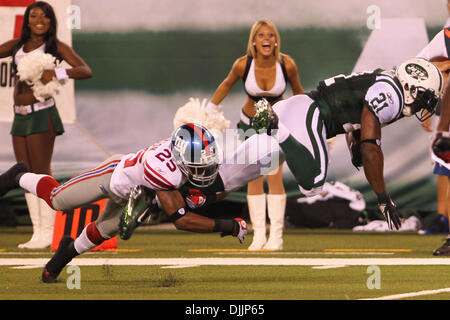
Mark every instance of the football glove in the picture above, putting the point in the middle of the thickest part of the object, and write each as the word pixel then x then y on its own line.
pixel 265 118
pixel 441 147
pixel 141 204
pixel 239 230
pixel 389 211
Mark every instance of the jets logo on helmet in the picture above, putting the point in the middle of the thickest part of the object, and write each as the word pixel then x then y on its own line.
pixel 416 71
pixel 195 152
pixel 422 84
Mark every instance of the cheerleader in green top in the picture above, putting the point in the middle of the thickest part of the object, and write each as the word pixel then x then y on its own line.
pixel 37 123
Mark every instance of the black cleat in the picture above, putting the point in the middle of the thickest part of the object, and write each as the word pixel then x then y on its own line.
pixel 66 251
pixel 10 179
pixel 444 250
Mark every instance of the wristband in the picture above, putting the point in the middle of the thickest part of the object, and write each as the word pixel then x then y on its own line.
pixel 61 74
pixel 178 214
pixel 224 225
pixel 374 141
pixel 383 197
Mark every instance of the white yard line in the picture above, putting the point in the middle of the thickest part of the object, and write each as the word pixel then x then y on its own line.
pixel 410 294
pixel 233 261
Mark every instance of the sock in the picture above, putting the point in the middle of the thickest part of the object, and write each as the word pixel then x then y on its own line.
pixel 40 185
pixel 89 238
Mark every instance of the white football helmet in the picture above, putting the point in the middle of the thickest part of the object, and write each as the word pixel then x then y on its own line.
pixel 422 82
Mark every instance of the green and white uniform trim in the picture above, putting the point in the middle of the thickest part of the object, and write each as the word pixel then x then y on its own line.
pixel 335 107
pixel 342 98
pixel 306 150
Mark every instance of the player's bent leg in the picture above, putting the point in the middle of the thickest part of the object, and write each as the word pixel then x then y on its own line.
pixel 305 148
pixel 300 162
pixel 108 223
pixel 85 188
pixel 69 248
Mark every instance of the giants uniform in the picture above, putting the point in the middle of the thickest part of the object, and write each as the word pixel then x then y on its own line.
pixel 334 108
pixel 152 167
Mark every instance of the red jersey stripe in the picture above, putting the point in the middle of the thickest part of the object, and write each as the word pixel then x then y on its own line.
pixel 154 186
pixel 150 178
pixel 154 173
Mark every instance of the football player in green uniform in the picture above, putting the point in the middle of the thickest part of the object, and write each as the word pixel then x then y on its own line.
pixel 358 105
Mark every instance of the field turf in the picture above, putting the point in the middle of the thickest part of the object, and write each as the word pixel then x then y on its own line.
pixel 155 264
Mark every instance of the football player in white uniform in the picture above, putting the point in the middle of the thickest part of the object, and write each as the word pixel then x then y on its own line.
pixel 358 103
pixel 190 156
pixel 438 51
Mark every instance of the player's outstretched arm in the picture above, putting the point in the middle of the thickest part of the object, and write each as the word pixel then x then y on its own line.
pixel 172 202
pixel 373 162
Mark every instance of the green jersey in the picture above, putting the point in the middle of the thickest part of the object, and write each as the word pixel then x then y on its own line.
pixel 341 99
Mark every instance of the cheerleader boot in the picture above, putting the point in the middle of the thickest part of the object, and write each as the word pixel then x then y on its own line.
pixel 47 224
pixel 257 212
pixel 34 211
pixel 276 206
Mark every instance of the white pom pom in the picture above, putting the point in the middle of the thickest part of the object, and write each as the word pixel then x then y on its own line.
pixel 30 70
pixel 195 111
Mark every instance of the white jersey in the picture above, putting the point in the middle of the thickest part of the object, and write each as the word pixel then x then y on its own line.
pixel 436 48
pixel 152 167
pixel 385 99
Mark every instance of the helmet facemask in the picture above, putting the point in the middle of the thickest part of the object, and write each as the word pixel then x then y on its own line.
pixel 200 174
pixel 425 102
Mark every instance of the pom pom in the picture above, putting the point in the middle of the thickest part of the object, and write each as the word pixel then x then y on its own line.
pixel 30 71
pixel 195 112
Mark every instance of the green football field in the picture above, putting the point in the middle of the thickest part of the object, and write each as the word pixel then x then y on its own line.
pixel 159 264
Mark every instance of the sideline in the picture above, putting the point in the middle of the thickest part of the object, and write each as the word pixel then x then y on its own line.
pixel 233 261
pixel 410 294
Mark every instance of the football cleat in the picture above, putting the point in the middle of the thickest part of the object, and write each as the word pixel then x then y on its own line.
pixel 265 119
pixel 141 204
pixel 9 180
pixel 444 250
pixel 66 251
